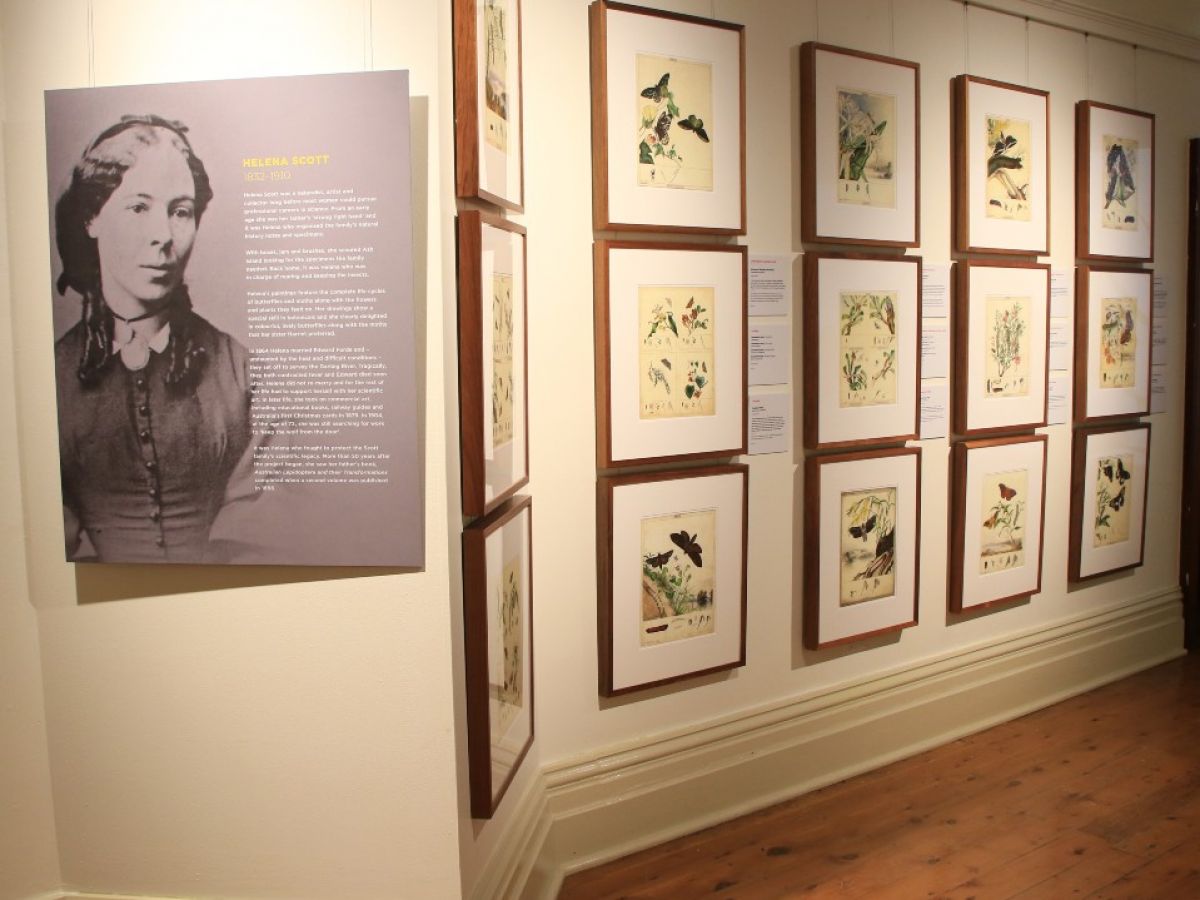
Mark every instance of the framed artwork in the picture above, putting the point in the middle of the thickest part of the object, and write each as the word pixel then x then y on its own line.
pixel 492 368
pixel 1001 345
pixel 498 624
pixel 862 527
pixel 1113 313
pixel 996 519
pixel 859 148
pixel 488 102
pixel 1001 153
pixel 1109 474
pixel 668 121
pixel 862 349
pixel 670 352
pixel 1114 182
pixel 672 549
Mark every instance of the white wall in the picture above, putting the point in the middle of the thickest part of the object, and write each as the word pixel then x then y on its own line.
pixel 248 732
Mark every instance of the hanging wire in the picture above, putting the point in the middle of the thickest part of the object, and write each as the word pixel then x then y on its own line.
pixel 91 41
pixel 966 38
pixel 1087 65
pixel 1027 51
pixel 817 17
pixel 892 10
pixel 1136 102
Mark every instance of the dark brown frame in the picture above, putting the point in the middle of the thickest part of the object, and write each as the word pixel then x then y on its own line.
pixel 471 403
pixel 605 486
pixel 958 519
pixel 961 168
pixel 1189 534
pixel 475 650
pixel 961 352
pixel 812 546
pixel 603 360
pixel 808 147
pixel 1083 161
pixel 466 106
pixel 597 11
pixel 1083 327
pixel 1078 481
pixel 811 344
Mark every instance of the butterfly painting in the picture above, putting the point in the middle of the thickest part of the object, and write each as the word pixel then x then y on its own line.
pixel 677 581
pixel 675 115
pixel 868 545
pixel 1002 522
pixel 1118 342
pixel 1111 523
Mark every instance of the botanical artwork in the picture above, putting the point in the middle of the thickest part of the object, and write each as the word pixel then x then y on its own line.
pixel 675 123
pixel 866 173
pixel 502 359
pixel 1120 210
pixel 678 576
pixel 1007 188
pixel 1118 342
pixel 1002 528
pixel 506 694
pixel 495 30
pixel 868 348
pixel 1112 511
pixel 1007 334
pixel 676 360
pixel 868 545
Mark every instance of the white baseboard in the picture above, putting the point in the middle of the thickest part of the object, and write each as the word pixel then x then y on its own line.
pixel 623 799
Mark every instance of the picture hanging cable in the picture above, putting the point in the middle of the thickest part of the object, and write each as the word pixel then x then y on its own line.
pixel 966 38
pixel 1027 51
pixel 892 13
pixel 1087 65
pixel 91 42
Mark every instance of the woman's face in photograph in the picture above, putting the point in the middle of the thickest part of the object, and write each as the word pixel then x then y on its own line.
pixel 145 231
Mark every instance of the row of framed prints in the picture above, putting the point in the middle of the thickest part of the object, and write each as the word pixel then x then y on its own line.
pixel 669 146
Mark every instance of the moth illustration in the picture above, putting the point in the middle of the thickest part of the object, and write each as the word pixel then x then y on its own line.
pixel 659 560
pixel 1122 472
pixel 687 543
pixel 861 531
pixel 658 91
pixel 1127 331
pixel 1118 501
pixel 1006 492
pixel 663 126
pixel 694 125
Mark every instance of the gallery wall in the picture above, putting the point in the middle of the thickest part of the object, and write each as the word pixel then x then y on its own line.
pixel 301 733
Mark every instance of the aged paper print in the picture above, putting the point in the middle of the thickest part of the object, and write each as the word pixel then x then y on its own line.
pixel 495 31
pixel 675 123
pixel 502 359
pixel 1008 189
pixel 506 689
pixel 678 576
pixel 868 348
pixel 1121 184
pixel 1002 529
pixel 676 359
pixel 866 174
pixel 1006 330
pixel 1111 525
pixel 1118 342
pixel 868 545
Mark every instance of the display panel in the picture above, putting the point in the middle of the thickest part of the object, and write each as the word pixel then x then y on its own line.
pixel 233 322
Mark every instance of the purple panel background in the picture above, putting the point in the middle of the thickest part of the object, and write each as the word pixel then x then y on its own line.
pixel 362 121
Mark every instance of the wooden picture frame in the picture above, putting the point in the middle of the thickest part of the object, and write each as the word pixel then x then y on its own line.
pixel 1114 312
pixel 672 572
pixel 492 360
pixel 861 576
pixel 1001 346
pixel 997 520
pixel 862 349
pixel 489 102
pixel 1001 166
pixel 840 202
pixel 1110 472
pixel 1114 183
pixel 671 360
pixel 668 121
pixel 498 647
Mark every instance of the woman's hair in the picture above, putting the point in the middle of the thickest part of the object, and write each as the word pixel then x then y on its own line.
pixel 97 174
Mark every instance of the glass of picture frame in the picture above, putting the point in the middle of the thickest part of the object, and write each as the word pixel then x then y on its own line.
pixel 489 102
pixel 668 121
pixel 862 349
pixel 1114 182
pixel 672 574
pixel 997 516
pixel 498 646
pixel 1109 475
pixel 859 147
pixel 1001 346
pixel 1113 315
pixel 1001 167
pixel 862 534
pixel 492 367
pixel 670 351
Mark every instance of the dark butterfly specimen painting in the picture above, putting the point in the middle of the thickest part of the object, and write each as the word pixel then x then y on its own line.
pixel 677 586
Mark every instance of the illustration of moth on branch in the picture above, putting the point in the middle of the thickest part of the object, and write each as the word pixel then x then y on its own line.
pixel 674 149
pixel 868 545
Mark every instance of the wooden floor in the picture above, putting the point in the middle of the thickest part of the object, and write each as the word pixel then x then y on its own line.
pixel 1097 797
